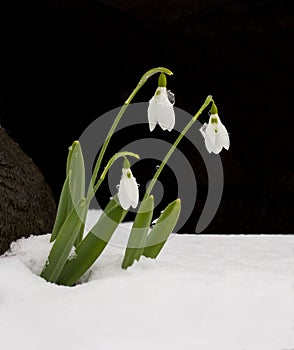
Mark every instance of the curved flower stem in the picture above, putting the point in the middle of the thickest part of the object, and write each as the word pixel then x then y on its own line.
pixel 174 146
pixel 92 188
pixel 109 164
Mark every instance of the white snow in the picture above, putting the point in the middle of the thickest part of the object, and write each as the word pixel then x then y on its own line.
pixel 203 292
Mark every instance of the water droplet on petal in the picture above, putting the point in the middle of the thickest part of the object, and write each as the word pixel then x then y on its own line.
pixel 117 186
pixel 171 97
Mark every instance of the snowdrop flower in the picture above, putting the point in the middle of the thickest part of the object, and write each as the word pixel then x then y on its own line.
pixel 128 192
pixel 215 135
pixel 160 109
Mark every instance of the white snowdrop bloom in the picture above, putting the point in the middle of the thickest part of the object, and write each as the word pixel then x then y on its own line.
pixel 128 192
pixel 160 109
pixel 215 135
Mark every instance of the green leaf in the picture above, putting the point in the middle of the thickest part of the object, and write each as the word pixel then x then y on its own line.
pixel 162 229
pixel 77 168
pixel 64 242
pixel 62 209
pixel 69 156
pixel 75 165
pixel 93 244
pixel 73 189
pixel 138 235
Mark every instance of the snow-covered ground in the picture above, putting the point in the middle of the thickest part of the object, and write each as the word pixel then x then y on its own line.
pixel 203 292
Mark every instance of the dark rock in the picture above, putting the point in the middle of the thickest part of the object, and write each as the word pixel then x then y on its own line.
pixel 26 203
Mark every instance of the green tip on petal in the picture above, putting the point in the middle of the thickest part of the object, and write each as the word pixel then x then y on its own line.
pixel 127 164
pixel 162 80
pixel 213 109
pixel 165 70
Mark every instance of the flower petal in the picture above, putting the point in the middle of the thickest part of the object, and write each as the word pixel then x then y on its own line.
pixel 160 110
pixel 160 96
pixel 123 196
pixel 152 115
pixel 166 117
pixel 128 193
pixel 209 140
pixel 218 145
pixel 224 136
pixel 215 135
pixel 133 191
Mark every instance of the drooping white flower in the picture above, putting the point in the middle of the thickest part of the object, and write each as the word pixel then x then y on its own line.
pixel 160 109
pixel 128 192
pixel 215 135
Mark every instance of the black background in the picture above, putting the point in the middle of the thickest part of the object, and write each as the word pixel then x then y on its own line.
pixel 64 63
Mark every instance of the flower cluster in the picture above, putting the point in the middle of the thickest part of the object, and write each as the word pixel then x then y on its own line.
pixel 147 236
pixel 161 111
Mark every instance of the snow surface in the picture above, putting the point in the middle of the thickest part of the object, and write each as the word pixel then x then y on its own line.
pixel 203 292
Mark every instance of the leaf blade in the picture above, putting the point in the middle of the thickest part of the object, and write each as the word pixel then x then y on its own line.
pixel 162 229
pixel 139 231
pixel 93 244
pixel 64 242
pixel 62 209
pixel 76 166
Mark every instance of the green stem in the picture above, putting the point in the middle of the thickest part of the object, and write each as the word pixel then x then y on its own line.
pixel 145 77
pixel 174 146
pixel 109 164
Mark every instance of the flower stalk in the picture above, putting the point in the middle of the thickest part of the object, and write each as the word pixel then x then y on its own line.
pixel 142 81
pixel 140 236
pixel 174 146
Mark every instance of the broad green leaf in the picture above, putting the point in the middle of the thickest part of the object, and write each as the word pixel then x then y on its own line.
pixel 77 168
pixel 73 189
pixel 62 209
pixel 139 231
pixel 64 242
pixel 93 244
pixel 162 229
pixel 75 165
